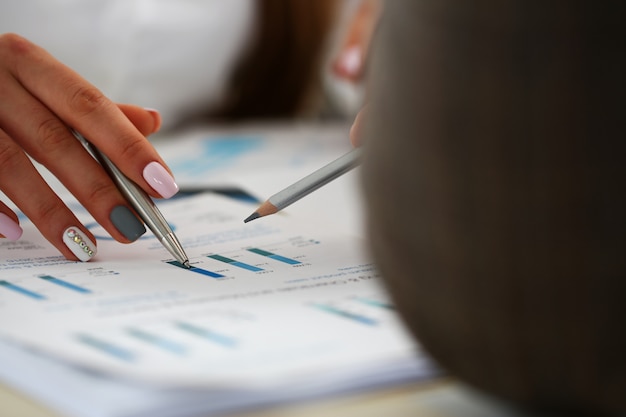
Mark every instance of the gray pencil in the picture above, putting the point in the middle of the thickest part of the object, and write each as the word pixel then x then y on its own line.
pixel 141 202
pixel 308 184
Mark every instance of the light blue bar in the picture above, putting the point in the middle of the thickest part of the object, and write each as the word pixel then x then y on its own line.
pixel 106 347
pixel 64 284
pixel 246 266
pixel 21 290
pixel 207 334
pixel 347 314
pixel 285 260
pixel 158 341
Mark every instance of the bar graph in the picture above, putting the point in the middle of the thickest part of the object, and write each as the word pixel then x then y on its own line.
pixel 65 284
pixel 207 334
pixel 197 270
pixel 274 256
pixel 21 290
pixel 238 264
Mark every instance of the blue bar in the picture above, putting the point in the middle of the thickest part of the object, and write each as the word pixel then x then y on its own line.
pixel 158 341
pixel 21 290
pixel 274 256
pixel 64 284
pixel 235 263
pixel 197 270
pixel 346 314
pixel 106 347
pixel 207 334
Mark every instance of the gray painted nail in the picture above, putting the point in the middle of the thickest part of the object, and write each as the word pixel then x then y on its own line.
pixel 127 223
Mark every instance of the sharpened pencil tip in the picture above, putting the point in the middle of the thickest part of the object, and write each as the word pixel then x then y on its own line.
pixel 251 217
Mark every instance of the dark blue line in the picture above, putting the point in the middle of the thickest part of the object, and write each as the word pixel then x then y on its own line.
pixel 197 270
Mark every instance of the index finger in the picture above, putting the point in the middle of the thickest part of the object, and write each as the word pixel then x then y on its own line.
pixel 82 106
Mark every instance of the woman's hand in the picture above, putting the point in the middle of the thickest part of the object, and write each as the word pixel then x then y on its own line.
pixel 40 101
pixel 349 64
pixel 356 138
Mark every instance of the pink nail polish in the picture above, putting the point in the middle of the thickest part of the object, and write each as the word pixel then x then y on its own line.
pixel 350 63
pixel 8 228
pixel 160 179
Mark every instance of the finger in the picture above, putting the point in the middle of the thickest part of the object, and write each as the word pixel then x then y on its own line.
pixel 82 106
pixel 147 121
pixel 9 223
pixel 49 142
pixel 350 61
pixel 21 182
pixel 356 135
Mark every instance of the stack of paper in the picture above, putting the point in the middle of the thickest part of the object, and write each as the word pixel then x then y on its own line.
pixel 279 309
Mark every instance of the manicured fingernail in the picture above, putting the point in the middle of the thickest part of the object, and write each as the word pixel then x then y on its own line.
pixel 157 118
pixel 160 180
pixel 127 223
pixel 350 62
pixel 79 244
pixel 8 228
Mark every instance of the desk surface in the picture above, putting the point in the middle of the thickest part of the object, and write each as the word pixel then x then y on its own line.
pixel 439 398
pixel 402 400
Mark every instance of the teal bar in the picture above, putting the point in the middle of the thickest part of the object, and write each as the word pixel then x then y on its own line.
pixel 260 252
pixel 106 347
pixel 20 290
pixel 236 263
pixel 222 258
pixel 65 284
pixel 274 256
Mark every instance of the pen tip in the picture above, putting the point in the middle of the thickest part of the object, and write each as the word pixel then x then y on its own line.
pixel 251 217
pixel 186 264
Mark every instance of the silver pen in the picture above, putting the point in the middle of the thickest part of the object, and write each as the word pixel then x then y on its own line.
pixel 308 184
pixel 141 202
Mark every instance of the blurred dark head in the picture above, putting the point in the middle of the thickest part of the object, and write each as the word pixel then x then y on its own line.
pixel 496 193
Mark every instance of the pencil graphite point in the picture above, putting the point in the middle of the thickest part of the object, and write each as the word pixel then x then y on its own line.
pixel 251 217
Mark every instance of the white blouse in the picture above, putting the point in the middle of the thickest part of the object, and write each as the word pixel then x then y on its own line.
pixel 170 55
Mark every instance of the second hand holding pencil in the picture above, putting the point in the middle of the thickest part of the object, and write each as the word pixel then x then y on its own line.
pixel 308 184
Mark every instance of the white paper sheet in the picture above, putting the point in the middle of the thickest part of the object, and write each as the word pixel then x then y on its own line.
pixel 265 302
